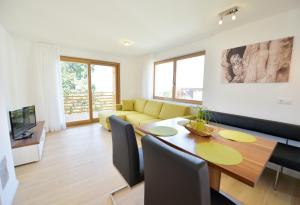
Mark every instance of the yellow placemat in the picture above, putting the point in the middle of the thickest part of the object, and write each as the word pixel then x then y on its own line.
pixel 163 131
pixel 237 136
pixel 218 153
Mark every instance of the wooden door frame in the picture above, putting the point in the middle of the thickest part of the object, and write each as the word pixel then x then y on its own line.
pixel 90 62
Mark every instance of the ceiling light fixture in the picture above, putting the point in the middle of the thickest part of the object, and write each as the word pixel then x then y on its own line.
pixel 127 42
pixel 229 12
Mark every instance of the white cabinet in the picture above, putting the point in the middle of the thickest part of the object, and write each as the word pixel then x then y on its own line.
pixel 29 150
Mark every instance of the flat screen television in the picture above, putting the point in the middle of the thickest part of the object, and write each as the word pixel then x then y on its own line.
pixel 21 121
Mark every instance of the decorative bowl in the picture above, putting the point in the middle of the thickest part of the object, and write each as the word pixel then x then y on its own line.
pixel 205 132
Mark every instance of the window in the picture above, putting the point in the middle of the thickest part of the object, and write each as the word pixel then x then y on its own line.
pixel 164 79
pixel 180 78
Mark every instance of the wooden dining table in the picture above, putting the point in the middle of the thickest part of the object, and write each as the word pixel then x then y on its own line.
pixel 255 155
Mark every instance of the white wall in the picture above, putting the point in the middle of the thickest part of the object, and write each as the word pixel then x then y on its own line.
pixel 6 65
pixel 24 80
pixel 147 77
pixel 130 72
pixel 23 83
pixel 255 100
pixel 23 77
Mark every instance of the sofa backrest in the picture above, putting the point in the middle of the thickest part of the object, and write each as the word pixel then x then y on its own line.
pixel 139 105
pixel 172 110
pixel 279 129
pixel 153 108
pixel 161 110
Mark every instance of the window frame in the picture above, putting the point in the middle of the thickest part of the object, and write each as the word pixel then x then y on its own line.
pixel 90 62
pixel 174 60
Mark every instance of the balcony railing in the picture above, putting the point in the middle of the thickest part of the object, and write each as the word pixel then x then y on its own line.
pixel 79 102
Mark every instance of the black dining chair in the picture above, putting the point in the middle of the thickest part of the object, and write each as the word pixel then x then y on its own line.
pixel 173 177
pixel 285 155
pixel 127 158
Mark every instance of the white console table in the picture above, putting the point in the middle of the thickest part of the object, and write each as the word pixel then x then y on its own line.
pixel 30 149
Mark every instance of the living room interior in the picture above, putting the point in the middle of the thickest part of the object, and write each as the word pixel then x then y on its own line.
pixel 149 102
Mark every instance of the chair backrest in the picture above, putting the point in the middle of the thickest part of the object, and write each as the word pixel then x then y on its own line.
pixel 173 177
pixel 125 150
pixel 278 129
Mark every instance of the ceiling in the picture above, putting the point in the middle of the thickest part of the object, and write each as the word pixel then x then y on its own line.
pixel 153 25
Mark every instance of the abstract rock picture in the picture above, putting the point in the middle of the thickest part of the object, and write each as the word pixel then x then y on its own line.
pixel 265 62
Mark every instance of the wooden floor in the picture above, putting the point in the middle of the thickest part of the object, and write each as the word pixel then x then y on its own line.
pixel 77 169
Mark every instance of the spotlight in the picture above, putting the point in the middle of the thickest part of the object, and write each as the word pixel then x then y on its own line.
pixel 221 21
pixel 233 17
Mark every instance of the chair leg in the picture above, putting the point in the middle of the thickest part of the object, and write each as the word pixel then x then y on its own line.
pixel 111 195
pixel 279 170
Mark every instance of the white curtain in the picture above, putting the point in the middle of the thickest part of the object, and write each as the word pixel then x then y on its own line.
pixel 50 107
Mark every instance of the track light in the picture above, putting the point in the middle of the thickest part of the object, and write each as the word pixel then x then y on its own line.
pixel 229 12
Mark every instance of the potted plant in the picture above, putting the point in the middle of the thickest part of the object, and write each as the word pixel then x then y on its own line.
pixel 199 125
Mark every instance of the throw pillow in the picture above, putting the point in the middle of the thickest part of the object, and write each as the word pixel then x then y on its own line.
pixel 127 105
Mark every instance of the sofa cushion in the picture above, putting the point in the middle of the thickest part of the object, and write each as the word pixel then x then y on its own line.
pixel 287 156
pixel 144 122
pixel 121 114
pixel 153 108
pixel 171 110
pixel 139 105
pixel 127 105
pixel 280 129
pixel 135 119
pixel 105 114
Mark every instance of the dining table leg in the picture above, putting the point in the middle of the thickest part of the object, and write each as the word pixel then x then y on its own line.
pixel 214 178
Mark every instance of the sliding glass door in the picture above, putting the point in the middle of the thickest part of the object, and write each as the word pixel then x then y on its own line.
pixel 89 86
pixel 75 88
pixel 103 88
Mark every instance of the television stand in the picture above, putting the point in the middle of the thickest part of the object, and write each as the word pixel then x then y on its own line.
pixel 30 149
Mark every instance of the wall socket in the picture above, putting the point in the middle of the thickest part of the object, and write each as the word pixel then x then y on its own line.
pixel 284 101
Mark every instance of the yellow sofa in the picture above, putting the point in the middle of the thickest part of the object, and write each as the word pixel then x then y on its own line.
pixel 145 111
